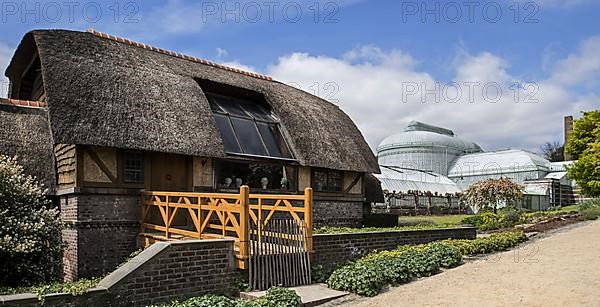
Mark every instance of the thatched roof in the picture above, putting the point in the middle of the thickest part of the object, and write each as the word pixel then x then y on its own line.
pixel 110 92
pixel 25 133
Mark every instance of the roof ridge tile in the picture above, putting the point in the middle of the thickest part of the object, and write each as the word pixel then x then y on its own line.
pixel 176 54
pixel 23 103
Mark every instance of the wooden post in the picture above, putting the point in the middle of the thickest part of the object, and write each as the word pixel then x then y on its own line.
pixel 167 220
pixel 244 223
pixel 308 217
pixel 259 222
pixel 142 218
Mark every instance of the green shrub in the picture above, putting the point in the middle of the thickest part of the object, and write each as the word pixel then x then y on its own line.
pixel 208 301
pixel 591 214
pixel 489 221
pixel 318 274
pixel 493 243
pixel 275 297
pixel 475 220
pixel 446 255
pixel 589 204
pixel 30 231
pixel 511 218
pixel 362 277
pixel 278 297
pixel 366 276
pixel 369 274
pixel 420 263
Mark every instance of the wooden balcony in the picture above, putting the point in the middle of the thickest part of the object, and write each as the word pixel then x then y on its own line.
pixel 243 217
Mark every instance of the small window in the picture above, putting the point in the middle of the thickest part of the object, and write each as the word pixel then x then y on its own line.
pixel 133 167
pixel 327 181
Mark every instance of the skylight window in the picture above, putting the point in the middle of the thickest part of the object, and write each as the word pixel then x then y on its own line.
pixel 247 127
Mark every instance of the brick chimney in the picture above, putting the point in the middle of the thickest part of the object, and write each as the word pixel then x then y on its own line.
pixel 568 130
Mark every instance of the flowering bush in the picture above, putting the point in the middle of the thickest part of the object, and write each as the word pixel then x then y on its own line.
pixel 30 231
pixel 489 193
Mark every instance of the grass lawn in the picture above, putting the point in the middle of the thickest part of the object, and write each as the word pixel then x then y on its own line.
pixel 568 209
pixel 436 219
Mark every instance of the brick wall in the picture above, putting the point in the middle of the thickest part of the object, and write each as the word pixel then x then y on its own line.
pixel 331 250
pixel 163 272
pixel 100 232
pixel 181 270
pixel 337 213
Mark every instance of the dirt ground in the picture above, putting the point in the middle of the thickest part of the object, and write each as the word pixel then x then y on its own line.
pixel 559 269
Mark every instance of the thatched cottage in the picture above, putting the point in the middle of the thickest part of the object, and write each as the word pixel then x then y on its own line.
pixel 100 118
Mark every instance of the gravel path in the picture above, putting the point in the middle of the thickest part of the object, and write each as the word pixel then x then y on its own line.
pixel 561 269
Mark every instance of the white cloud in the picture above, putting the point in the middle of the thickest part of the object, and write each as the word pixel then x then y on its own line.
pixel 373 85
pixel 581 66
pixel 5 56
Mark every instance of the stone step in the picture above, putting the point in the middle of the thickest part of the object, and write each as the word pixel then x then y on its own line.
pixel 311 295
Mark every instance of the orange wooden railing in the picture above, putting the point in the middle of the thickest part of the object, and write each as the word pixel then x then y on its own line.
pixel 180 215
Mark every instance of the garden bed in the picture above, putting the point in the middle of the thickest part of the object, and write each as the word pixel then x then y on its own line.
pixel 369 274
pixel 553 222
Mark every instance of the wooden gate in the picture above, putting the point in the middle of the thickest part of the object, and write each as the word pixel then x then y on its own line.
pixel 181 216
pixel 279 254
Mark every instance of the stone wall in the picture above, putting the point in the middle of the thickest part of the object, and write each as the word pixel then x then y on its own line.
pixel 100 232
pixel 337 213
pixel 331 250
pixel 163 272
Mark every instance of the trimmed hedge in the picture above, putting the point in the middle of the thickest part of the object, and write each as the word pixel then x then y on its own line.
pixel 369 274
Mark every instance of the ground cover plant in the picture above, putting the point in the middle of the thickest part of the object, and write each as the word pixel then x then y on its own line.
pixel 367 275
pixel 590 209
pixel 490 221
pixel 338 230
pixel 74 288
pixel 510 217
pixel 275 297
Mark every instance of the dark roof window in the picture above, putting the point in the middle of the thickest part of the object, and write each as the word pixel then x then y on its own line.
pixel 247 127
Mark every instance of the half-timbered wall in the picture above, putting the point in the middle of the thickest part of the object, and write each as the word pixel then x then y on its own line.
pixel 203 176
pixel 99 165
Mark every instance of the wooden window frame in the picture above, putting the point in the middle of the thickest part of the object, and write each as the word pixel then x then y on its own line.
pixel 273 121
pixel 328 171
pixel 125 155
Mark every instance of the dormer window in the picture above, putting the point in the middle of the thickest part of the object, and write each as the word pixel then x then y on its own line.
pixel 30 85
pixel 248 127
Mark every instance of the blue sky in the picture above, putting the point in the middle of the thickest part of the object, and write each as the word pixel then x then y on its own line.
pixel 362 55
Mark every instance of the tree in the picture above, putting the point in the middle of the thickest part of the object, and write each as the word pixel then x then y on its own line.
pixel 586 131
pixel 584 145
pixel 554 152
pixel 489 193
pixel 30 231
